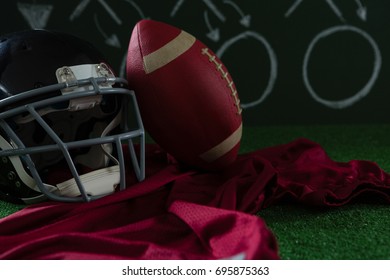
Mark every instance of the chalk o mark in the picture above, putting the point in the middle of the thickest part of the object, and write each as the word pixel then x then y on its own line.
pixel 272 57
pixel 340 104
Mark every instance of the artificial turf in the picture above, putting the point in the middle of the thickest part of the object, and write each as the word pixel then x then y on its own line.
pixel 359 230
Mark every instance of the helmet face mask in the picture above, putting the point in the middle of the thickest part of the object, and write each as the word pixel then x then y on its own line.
pixel 78 121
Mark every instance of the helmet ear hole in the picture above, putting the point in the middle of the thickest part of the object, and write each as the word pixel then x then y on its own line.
pixel 13 187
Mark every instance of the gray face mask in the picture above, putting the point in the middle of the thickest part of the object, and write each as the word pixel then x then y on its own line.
pixel 84 125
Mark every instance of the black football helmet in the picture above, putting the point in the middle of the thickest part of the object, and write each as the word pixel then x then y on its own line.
pixel 65 120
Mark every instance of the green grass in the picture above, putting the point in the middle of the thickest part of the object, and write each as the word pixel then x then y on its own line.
pixel 8 208
pixel 356 231
pixel 359 230
pixel 341 142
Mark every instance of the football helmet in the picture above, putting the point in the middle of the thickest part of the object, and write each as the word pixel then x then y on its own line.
pixel 68 125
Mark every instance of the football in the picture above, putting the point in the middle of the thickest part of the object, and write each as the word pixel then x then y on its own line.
pixel 188 100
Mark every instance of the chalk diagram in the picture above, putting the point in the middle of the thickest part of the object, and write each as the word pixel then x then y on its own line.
pixel 361 12
pixel 343 103
pixel 37 16
pixel 213 33
pixel 113 38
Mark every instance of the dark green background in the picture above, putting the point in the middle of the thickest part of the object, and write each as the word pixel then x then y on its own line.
pixel 339 67
pixel 340 64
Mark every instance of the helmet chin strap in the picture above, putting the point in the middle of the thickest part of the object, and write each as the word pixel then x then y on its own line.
pixel 99 156
pixel 96 183
pixel 99 182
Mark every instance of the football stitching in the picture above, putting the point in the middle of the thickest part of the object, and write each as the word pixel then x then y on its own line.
pixel 225 76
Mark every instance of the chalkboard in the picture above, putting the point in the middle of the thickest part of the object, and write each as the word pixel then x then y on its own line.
pixel 293 61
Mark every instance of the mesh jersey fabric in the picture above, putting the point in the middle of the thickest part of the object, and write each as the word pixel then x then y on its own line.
pixel 180 213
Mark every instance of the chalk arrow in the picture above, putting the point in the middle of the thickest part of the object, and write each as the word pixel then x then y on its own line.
pixel 137 8
pixel 110 11
pixel 245 19
pixel 111 40
pixel 361 11
pixel 215 10
pixel 213 32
